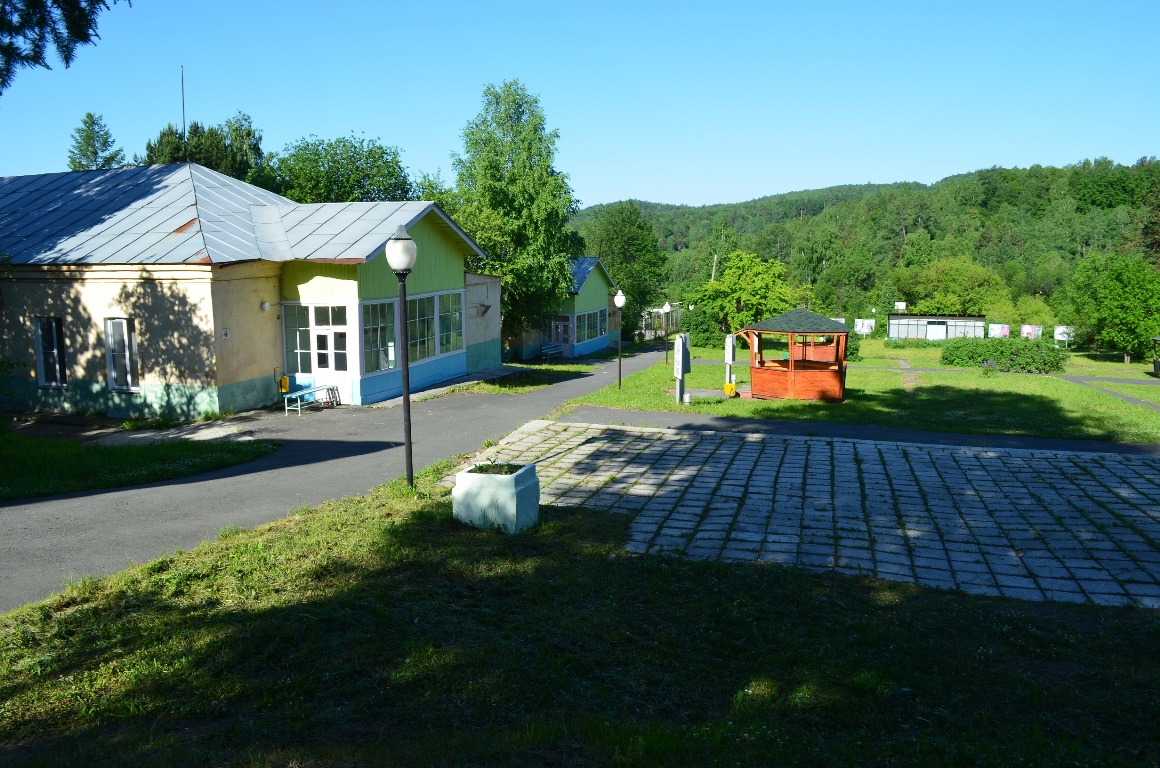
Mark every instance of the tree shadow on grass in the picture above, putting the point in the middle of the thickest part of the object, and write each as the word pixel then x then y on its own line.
pixel 417 641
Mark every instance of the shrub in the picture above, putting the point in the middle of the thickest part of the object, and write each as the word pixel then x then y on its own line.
pixel 1008 355
pixel 854 348
pixel 702 329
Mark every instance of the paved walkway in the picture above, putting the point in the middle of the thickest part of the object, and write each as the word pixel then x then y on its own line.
pixel 1023 523
pixel 324 454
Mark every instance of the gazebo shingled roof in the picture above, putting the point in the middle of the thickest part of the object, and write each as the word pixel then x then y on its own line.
pixel 799 321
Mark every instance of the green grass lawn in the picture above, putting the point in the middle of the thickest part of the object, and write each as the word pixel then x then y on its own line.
pixel 532 376
pixel 43 466
pixel 376 630
pixel 950 401
pixel 874 352
pixel 1107 364
pixel 1149 392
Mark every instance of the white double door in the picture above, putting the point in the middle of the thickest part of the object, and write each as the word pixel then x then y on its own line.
pixel 333 358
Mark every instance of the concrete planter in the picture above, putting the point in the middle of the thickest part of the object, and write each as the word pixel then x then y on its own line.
pixel 509 503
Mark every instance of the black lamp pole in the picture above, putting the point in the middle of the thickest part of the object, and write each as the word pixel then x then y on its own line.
pixel 619 339
pixel 401 253
pixel 618 301
pixel 404 360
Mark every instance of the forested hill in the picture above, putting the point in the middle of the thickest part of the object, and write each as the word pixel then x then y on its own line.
pixel 1037 245
pixel 680 225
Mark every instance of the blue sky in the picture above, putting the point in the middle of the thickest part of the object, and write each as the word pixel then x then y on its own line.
pixel 671 102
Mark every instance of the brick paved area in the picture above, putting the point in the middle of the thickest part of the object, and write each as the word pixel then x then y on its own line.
pixel 1027 524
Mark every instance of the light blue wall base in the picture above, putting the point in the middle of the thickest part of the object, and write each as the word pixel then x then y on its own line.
pixel 173 401
pixel 389 384
pixel 592 346
pixel 484 355
pixel 247 395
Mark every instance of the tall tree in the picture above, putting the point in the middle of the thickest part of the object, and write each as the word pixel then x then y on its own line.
pixel 516 205
pixel 233 148
pixel 746 291
pixel 1115 302
pixel 93 147
pixel 27 27
pixel 344 170
pixel 628 246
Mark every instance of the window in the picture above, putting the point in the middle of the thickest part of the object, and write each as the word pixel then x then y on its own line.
pixel 421 328
pixel 50 368
pixel 378 322
pixel 450 322
pixel 316 338
pixel 591 325
pixel 296 331
pixel 121 353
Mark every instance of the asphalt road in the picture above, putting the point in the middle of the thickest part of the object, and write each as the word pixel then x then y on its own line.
pixel 328 454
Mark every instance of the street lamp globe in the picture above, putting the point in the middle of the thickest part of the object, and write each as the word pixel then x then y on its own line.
pixel 618 299
pixel 401 251
pixel 666 308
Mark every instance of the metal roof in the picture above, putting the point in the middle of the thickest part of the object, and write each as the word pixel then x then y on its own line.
pixel 185 213
pixel 799 321
pixel 582 267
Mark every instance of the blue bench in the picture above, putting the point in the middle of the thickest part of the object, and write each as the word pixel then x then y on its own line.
pixel 548 350
pixel 325 395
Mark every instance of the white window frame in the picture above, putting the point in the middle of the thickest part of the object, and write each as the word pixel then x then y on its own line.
pixel 392 351
pixel 313 328
pixel 122 327
pixel 56 367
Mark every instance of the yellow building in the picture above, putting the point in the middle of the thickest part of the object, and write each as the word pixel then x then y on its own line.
pixel 178 291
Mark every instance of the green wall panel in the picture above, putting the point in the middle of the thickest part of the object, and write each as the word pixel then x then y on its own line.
pixel 439 266
pixel 593 294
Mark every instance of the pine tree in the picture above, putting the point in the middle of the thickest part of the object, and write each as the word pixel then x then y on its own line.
pixel 92 148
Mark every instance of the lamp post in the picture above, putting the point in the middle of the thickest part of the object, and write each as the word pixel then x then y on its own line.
pixel 618 300
pixel 667 308
pixel 401 255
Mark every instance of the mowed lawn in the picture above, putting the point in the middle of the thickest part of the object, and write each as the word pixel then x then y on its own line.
pixel 951 400
pixel 378 631
pixel 31 467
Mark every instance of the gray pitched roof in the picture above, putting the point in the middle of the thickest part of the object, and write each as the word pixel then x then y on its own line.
pixel 582 267
pixel 185 213
pixel 799 321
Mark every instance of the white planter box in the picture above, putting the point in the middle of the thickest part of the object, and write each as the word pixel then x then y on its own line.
pixel 510 503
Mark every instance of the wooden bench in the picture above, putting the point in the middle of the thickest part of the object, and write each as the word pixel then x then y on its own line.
pixel 548 350
pixel 325 395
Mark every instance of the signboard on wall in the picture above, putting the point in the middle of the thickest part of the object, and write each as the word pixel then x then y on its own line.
pixel 998 330
pixel 900 306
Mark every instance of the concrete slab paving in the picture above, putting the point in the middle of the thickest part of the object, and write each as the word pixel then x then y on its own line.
pixel 1031 524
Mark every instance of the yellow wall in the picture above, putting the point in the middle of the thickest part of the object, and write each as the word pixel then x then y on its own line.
pixel 439 266
pixel 247 340
pixel 170 304
pixel 318 283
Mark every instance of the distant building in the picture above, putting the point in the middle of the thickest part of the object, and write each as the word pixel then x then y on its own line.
pixel 581 324
pixel 935 327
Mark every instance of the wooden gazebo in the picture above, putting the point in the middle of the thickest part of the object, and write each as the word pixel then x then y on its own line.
pixel 812 368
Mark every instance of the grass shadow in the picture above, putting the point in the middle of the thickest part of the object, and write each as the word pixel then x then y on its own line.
pixel 358 633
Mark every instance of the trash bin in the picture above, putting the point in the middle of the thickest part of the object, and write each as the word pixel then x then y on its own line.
pixel 1156 367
